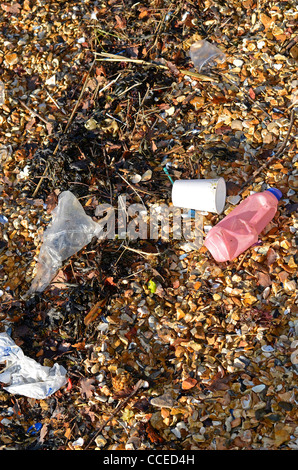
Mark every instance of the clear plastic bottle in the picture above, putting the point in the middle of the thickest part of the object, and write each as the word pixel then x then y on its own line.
pixel 240 228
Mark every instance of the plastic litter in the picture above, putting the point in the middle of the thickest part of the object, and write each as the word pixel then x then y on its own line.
pixel 203 54
pixel 200 194
pixel 35 428
pixel 3 219
pixel 70 230
pixel 24 375
pixel 240 228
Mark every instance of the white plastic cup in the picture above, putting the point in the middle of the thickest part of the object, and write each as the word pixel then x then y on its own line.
pixel 206 195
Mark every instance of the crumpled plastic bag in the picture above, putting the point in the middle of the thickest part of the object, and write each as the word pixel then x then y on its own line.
pixel 24 375
pixel 203 53
pixel 70 230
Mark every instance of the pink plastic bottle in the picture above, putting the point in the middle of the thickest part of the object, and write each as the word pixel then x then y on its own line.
pixel 240 228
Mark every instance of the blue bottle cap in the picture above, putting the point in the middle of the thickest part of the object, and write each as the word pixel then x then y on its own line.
pixel 277 193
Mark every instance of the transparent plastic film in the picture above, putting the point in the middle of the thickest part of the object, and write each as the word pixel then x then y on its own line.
pixel 70 230
pixel 204 54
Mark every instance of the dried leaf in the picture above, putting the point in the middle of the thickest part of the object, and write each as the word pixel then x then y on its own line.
pixel 153 435
pixel 87 387
pixel 51 201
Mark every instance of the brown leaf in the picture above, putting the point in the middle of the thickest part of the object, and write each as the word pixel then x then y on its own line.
pixel 153 435
pixel 51 201
pixel 121 22
pixel 87 387
pixel 264 279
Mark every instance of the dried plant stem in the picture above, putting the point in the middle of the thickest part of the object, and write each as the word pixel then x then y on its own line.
pixel 119 58
pixel 34 113
pixel 140 252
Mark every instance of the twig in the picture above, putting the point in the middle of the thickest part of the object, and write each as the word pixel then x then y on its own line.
pixel 136 388
pixel 140 252
pixel 204 78
pixel 134 190
pixel 274 156
pixel 79 99
pixel 120 58
pixel 65 130
pixel 34 113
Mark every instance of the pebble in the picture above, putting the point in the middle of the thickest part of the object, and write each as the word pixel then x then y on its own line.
pixel 238 62
pixel 11 58
pixel 234 199
pixel 163 401
pixel 237 125
pixel 136 179
pixel 258 388
pixel 100 441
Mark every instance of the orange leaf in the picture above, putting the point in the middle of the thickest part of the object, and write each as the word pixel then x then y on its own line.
pixel 110 281
pixel 153 435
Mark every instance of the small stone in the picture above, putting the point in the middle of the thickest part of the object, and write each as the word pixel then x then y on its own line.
pixel 135 179
pixel 294 52
pixel 236 422
pixel 147 175
pixel 170 111
pixel 11 59
pixel 234 199
pixel 216 297
pixel 100 441
pixel 290 285
pixel 294 357
pixel 156 420
pixel 236 125
pixel 284 405
pixel 238 62
pixel 51 81
pixel 258 388
pixel 282 434
pixel 189 383
pixel 163 401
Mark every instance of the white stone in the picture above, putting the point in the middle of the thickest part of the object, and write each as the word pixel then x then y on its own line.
pixel 238 62
pixel 258 388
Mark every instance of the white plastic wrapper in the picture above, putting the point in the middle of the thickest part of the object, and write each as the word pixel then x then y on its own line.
pixel 70 230
pixel 24 375
pixel 204 54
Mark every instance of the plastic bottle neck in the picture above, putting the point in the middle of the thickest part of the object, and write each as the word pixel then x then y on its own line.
pixel 276 192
